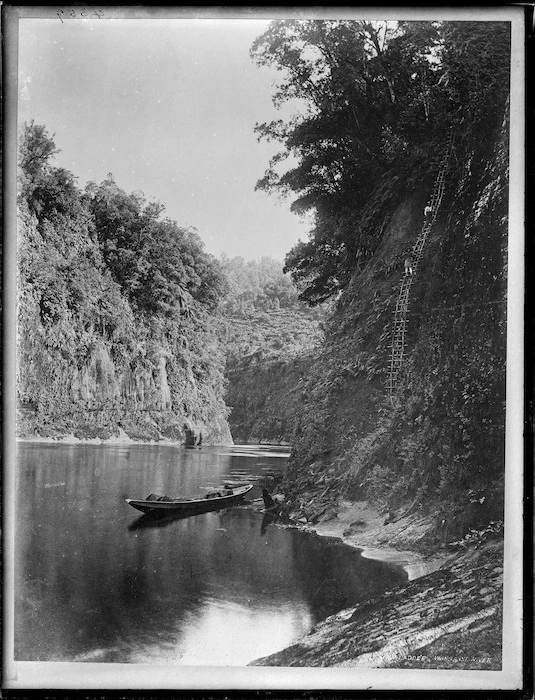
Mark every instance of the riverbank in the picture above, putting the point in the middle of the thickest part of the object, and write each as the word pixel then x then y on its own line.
pixel 448 614
pixel 121 438
pixel 360 525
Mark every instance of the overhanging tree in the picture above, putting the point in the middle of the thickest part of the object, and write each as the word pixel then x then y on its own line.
pixel 376 101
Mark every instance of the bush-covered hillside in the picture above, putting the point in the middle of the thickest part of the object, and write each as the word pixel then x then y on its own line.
pixel 384 99
pixel 267 356
pixel 269 336
pixel 254 286
pixel 116 312
pixel 440 438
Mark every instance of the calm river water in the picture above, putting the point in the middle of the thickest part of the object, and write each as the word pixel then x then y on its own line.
pixel 93 583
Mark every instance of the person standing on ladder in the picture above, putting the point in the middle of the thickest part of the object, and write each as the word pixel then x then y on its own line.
pixel 408 266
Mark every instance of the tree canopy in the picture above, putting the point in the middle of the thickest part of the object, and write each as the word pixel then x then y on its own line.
pixel 376 101
pixel 155 265
pixel 160 265
pixel 116 309
pixel 257 285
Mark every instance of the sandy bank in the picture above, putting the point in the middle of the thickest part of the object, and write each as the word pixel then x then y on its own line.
pixel 359 524
pixel 448 614
pixel 450 618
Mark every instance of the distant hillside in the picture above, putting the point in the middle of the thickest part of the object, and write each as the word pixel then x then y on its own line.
pixel 255 286
pixel 268 335
pixel 268 355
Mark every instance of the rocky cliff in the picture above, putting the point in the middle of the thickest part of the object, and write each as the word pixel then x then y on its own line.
pixel 437 440
pixel 117 314
pixel 155 393
pixel 268 354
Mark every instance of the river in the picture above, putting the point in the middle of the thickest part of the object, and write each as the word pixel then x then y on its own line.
pixel 94 583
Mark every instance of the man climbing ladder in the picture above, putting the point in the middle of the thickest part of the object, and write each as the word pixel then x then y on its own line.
pixel 410 268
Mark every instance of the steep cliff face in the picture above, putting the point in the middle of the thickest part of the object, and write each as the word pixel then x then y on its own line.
pixel 268 354
pixel 156 391
pixel 116 314
pixel 262 397
pixel 438 440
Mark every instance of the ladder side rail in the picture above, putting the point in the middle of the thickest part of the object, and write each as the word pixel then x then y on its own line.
pixel 402 303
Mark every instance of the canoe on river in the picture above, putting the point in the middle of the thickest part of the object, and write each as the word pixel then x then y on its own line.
pixel 223 498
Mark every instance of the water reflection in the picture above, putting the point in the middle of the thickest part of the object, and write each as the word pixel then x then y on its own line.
pixel 94 584
pixel 267 520
pixel 163 518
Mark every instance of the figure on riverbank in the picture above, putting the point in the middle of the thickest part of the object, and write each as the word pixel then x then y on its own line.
pixel 268 501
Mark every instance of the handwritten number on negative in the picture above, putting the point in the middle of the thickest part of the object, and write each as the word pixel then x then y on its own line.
pixel 82 13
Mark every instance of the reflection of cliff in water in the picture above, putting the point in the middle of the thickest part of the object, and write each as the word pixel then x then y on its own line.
pixel 267 520
pixel 334 575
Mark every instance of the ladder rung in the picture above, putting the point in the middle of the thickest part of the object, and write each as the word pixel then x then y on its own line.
pixel 401 310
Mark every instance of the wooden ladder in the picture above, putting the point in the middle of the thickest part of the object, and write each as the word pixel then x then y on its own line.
pixel 401 312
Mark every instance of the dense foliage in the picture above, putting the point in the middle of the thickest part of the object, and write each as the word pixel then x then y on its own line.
pixel 379 102
pixel 438 443
pixel 269 338
pixel 160 266
pixel 377 99
pixel 257 285
pixel 115 307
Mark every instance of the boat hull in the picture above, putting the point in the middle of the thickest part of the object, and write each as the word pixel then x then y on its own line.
pixel 191 507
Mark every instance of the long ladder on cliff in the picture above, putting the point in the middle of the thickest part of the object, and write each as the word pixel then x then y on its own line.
pixel 401 312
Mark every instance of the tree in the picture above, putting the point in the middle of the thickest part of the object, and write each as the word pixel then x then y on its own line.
pixel 376 101
pixel 36 149
pixel 257 285
pixel 161 266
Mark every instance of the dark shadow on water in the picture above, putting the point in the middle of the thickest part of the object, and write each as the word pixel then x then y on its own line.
pixel 165 518
pixel 159 520
pixel 266 522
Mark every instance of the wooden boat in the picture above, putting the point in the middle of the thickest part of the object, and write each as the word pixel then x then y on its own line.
pixel 223 498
